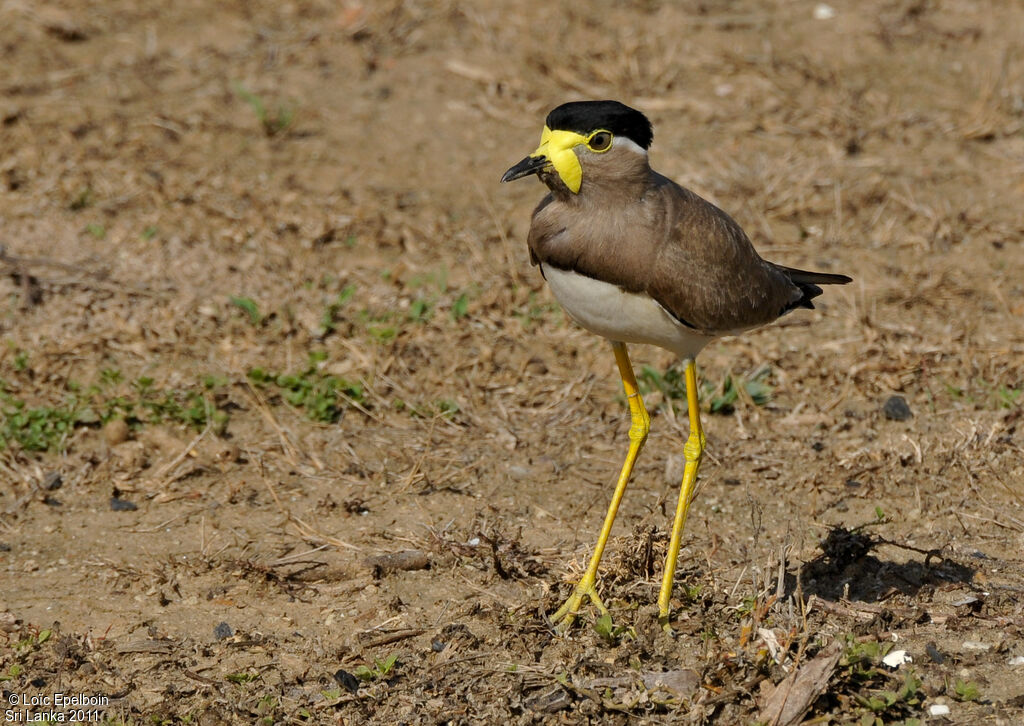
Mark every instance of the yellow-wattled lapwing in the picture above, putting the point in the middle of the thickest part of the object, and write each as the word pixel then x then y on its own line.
pixel 636 258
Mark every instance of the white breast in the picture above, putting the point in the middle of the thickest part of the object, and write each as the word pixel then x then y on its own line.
pixel 621 316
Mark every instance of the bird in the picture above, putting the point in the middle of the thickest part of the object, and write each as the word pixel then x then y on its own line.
pixel 637 259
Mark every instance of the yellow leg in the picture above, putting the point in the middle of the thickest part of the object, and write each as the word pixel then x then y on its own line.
pixel 586 589
pixel 693 451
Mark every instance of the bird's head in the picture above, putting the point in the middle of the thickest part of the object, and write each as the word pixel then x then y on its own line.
pixel 587 138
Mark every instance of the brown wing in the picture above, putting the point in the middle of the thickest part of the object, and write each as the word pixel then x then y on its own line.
pixel 707 272
pixel 671 244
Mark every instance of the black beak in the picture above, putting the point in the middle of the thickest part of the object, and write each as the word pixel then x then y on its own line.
pixel 529 165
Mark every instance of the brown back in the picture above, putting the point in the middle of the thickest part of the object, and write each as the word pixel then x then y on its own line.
pixel 635 228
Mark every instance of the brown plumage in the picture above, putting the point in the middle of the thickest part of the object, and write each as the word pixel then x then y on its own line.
pixel 634 228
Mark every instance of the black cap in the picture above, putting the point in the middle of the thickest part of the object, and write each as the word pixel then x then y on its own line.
pixel 586 116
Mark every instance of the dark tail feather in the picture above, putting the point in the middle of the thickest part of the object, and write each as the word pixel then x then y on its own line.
pixel 808 283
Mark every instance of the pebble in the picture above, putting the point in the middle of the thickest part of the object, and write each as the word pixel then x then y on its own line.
pixel 824 12
pixel 345 679
pixel 938 709
pixel 122 505
pixel 1017 660
pixel 975 645
pixel 896 408
pixel 116 431
pixel 896 658
pixel 222 631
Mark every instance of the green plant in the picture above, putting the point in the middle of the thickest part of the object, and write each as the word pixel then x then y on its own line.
pixel 48 427
pixel 609 632
pixel 460 308
pixel 12 673
pixel 987 394
pixel 330 314
pixel 322 397
pixel 891 703
pixel 110 376
pixel 249 306
pixel 719 397
pixel 273 123
pixel 419 310
pixel 858 671
pixel 242 678
pixel 447 407
pixel 671 384
pixel 966 690
pixel 33 640
pixel 42 428
pixel 381 669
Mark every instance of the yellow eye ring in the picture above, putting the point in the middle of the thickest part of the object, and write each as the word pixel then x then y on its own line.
pixel 600 141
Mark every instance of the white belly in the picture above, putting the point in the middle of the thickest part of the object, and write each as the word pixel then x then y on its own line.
pixel 621 316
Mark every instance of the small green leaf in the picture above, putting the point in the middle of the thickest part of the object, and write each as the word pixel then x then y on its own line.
pixel 249 306
pixel 460 308
pixel 604 627
pixel 242 678
pixel 966 690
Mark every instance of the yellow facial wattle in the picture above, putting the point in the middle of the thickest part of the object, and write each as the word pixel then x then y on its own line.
pixel 557 147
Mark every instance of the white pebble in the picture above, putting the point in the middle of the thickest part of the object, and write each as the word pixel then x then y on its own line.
pixel 474 542
pixel 938 709
pixel 1017 660
pixel 896 658
pixel 974 645
pixel 824 12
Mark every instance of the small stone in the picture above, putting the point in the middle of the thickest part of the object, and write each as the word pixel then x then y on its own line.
pixel 938 709
pixel 222 631
pixel 896 409
pixel 975 645
pixel 346 680
pixel 934 653
pixel 116 431
pixel 122 505
pixel 824 12
pixel 896 658
pixel 1017 660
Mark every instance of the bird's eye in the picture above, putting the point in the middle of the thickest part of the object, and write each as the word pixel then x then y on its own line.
pixel 600 141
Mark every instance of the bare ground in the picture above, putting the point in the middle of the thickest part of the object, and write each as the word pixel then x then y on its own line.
pixel 292 431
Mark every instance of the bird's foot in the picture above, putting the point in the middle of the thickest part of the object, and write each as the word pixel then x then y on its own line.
pixel 664 619
pixel 585 590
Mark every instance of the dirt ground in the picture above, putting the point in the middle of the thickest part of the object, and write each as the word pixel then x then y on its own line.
pixel 293 433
